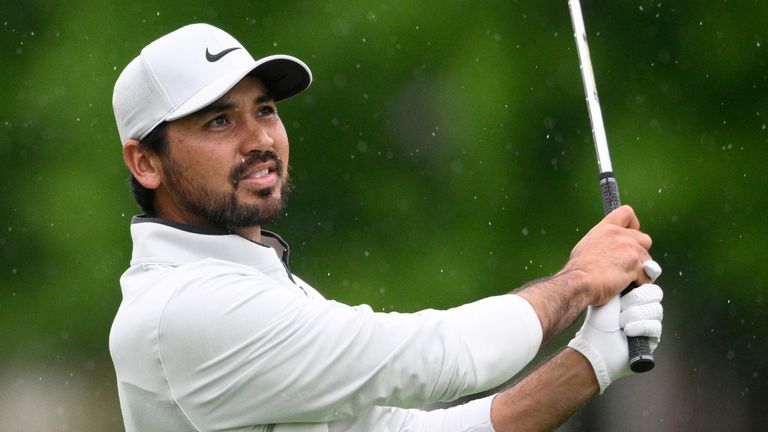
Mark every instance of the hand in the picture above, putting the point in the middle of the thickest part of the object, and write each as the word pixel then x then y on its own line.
pixel 603 337
pixel 611 255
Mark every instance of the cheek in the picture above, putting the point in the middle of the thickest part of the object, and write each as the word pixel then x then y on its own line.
pixel 285 155
pixel 281 144
pixel 201 163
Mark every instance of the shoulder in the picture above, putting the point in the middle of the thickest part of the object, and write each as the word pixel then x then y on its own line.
pixel 215 291
pixel 201 296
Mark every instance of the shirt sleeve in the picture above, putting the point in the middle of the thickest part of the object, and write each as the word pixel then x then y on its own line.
pixel 237 349
pixel 473 416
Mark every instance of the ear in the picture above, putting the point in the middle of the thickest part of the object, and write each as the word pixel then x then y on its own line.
pixel 143 164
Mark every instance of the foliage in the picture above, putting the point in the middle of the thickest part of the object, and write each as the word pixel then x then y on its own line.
pixel 442 154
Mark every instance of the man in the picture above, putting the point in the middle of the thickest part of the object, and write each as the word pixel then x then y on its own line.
pixel 215 332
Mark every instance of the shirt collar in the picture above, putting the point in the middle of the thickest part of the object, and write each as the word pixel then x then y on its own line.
pixel 161 241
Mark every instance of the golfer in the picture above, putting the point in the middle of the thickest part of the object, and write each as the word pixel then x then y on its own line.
pixel 215 333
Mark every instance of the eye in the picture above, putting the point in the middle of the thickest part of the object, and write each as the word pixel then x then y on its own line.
pixel 217 122
pixel 267 110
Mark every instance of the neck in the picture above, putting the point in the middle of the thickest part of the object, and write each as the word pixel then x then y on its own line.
pixel 252 233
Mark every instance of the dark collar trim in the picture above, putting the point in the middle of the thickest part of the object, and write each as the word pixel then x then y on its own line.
pixel 284 254
pixel 180 226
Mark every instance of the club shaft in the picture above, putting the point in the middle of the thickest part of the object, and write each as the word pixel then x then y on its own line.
pixel 590 88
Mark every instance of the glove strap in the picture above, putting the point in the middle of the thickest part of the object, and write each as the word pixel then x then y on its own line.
pixel 595 359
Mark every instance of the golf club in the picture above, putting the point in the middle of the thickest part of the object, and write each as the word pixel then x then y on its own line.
pixel 640 356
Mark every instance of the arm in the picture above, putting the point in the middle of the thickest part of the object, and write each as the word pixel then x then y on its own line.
pixel 600 265
pixel 231 335
pixel 550 394
pixel 547 397
pixel 238 350
pixel 541 401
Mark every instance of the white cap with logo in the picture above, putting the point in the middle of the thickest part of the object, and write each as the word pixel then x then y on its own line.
pixel 187 70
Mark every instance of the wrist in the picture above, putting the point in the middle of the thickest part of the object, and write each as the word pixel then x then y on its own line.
pixel 579 283
pixel 592 356
pixel 557 300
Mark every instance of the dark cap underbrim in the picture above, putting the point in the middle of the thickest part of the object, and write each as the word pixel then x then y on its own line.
pixel 283 77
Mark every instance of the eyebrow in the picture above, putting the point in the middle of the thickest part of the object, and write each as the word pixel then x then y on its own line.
pixel 220 106
pixel 266 97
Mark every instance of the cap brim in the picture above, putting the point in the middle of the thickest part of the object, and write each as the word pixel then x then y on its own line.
pixel 284 76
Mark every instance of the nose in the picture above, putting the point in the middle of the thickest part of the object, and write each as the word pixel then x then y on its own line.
pixel 256 137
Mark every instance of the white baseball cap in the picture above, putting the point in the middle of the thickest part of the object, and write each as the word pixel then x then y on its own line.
pixel 187 70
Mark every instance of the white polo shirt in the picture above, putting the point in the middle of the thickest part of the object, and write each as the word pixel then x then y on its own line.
pixel 215 333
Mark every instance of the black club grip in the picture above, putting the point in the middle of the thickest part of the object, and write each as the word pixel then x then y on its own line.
pixel 609 191
pixel 640 356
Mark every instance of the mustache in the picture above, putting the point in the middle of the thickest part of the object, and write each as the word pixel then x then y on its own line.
pixel 253 158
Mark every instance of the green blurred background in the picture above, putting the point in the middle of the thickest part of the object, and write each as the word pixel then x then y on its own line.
pixel 442 154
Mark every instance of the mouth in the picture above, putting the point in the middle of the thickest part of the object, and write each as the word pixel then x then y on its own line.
pixel 260 176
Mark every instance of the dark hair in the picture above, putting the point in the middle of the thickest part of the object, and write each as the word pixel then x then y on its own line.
pixel 156 142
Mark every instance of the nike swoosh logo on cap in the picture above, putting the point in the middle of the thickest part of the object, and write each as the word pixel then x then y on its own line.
pixel 216 57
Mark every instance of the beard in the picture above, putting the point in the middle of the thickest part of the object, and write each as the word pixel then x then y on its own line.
pixel 223 209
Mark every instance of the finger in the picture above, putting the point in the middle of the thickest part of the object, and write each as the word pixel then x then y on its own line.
pixel 640 238
pixel 635 269
pixel 624 217
pixel 641 256
pixel 643 294
pixel 649 328
pixel 651 311
pixel 652 269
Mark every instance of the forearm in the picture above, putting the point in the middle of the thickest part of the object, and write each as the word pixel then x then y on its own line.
pixel 558 300
pixel 547 397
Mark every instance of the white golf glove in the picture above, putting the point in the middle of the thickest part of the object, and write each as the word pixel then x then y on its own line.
pixel 603 336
